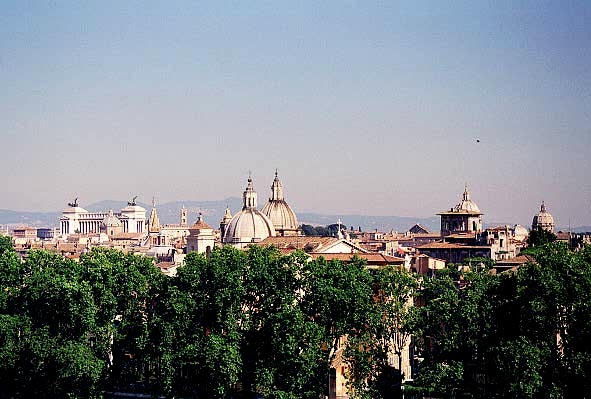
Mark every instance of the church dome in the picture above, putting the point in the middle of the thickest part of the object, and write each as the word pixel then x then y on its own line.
pixel 111 220
pixel 520 232
pixel 281 214
pixel 278 211
pixel 543 220
pixel 466 204
pixel 249 225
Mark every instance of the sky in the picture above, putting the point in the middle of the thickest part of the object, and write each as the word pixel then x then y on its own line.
pixel 363 107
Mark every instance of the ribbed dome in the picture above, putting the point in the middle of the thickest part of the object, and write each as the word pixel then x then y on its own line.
pixel 249 225
pixel 279 212
pixel 281 215
pixel 111 220
pixel 466 204
pixel 543 220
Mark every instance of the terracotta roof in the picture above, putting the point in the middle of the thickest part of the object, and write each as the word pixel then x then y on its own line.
pixel 371 258
pixel 461 235
pixel 306 243
pixel 426 235
pixel 199 225
pixel 313 244
pixel 518 260
pixel 67 247
pixel 165 265
pixel 127 236
pixel 438 245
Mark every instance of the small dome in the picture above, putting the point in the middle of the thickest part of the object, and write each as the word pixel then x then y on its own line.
pixel 543 220
pixel 520 232
pixel 111 220
pixel 466 204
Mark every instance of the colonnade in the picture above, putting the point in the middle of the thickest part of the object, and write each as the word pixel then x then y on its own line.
pixel 90 226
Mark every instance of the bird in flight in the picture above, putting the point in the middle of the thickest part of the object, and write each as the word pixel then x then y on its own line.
pixel 477 140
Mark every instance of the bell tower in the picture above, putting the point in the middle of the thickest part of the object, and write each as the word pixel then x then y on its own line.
pixel 184 222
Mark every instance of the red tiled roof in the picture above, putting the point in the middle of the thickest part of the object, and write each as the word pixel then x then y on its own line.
pixel 126 236
pixel 199 225
pixel 518 260
pixel 449 245
pixel 371 258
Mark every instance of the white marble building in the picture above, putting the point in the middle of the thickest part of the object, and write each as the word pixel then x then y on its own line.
pixel 76 219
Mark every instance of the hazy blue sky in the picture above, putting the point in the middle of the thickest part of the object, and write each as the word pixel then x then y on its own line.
pixel 364 107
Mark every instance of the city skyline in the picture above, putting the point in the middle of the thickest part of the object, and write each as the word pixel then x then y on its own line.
pixel 377 109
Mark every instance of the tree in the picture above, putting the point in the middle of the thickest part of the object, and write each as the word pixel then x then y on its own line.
pixel 57 320
pixel 339 299
pixel 198 325
pixel 540 237
pixel 516 334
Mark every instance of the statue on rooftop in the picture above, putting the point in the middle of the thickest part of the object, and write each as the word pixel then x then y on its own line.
pixel 132 202
pixel 73 204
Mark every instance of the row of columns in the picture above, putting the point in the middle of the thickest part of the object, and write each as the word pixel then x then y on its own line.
pixel 65 227
pixel 94 226
pixel 90 226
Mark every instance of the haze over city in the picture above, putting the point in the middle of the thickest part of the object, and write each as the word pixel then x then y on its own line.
pixel 366 108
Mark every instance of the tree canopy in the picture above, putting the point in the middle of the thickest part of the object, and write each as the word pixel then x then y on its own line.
pixel 523 333
pixel 265 324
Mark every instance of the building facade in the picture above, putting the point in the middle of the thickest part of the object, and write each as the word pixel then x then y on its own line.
pixel 76 219
pixel 201 238
pixel 465 217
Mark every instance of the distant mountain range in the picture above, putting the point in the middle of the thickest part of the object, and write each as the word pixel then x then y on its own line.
pixel 213 211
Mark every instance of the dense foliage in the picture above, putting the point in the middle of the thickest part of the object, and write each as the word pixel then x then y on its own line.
pixel 258 323
pixel 540 237
pixel 523 333
pixel 68 328
pixel 321 231
pixel 238 323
